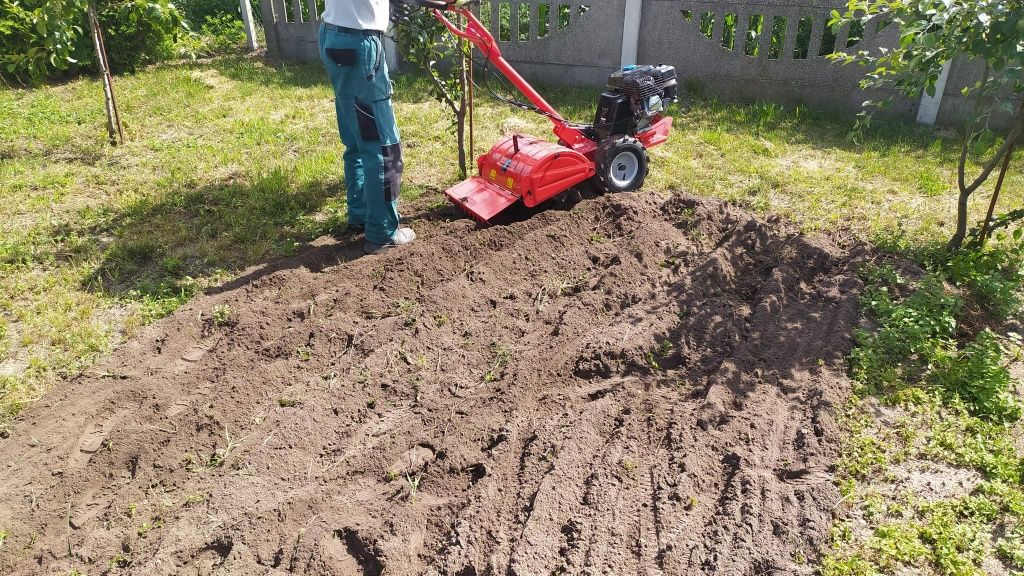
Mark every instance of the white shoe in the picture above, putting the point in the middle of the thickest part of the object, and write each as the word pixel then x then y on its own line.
pixel 401 237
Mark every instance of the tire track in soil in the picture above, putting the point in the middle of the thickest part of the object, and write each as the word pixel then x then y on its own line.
pixel 520 373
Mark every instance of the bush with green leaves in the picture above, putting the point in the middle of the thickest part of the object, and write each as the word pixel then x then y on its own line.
pixel 197 12
pixel 222 34
pixel 136 32
pixel 46 38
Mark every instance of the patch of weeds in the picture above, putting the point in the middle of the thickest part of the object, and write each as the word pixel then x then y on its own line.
pixel 222 315
pixel 944 395
pixel 652 361
pixel 120 560
pixel 598 238
pixel 414 484
pixel 193 499
pixel 500 357
pixel 146 527
pixel 440 320
pixel 304 354
pixel 287 402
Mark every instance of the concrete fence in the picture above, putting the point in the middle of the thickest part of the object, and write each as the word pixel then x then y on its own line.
pixel 773 50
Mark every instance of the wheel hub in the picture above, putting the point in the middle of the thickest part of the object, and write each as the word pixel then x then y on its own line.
pixel 625 167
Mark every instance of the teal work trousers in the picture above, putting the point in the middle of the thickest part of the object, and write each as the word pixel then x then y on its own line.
pixel 366 122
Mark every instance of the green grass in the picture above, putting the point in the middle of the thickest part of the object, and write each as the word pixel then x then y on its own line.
pixel 232 162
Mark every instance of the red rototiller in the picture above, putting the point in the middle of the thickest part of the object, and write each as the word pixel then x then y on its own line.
pixel 612 151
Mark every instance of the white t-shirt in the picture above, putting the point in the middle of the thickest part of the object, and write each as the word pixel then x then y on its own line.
pixel 358 14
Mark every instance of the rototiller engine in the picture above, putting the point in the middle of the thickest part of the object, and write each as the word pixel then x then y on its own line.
pixel 612 151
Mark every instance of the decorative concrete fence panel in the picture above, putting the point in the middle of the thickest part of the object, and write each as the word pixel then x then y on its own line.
pixel 568 42
pixel 773 50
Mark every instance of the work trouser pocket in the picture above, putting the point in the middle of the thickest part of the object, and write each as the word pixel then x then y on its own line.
pixel 356 64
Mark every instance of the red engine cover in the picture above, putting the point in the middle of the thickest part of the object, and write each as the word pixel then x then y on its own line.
pixel 533 169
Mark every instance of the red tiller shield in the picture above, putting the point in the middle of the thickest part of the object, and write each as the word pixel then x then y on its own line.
pixel 520 167
pixel 479 198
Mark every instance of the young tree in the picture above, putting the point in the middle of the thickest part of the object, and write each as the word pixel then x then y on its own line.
pixel 933 32
pixel 428 45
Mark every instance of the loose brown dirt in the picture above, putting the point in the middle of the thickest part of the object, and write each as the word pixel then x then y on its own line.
pixel 633 386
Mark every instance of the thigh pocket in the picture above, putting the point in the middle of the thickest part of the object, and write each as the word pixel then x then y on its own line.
pixel 367 122
pixel 344 57
pixel 393 168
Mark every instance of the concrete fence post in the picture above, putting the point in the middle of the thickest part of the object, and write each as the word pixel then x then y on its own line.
pixel 631 31
pixel 250 25
pixel 928 110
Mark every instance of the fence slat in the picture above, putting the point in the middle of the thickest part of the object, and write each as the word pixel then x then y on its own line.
pixel 817 35
pixel 535 17
pixel 270 28
pixel 792 29
pixel 496 19
pixel 280 14
pixel 314 16
pixel 513 21
pixel 764 41
pixel 842 37
pixel 739 42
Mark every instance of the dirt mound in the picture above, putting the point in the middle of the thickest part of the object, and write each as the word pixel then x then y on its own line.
pixel 629 387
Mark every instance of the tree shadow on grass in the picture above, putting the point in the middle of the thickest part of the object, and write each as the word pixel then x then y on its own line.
pixel 160 252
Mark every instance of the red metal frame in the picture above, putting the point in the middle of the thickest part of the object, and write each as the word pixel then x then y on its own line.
pixel 482 38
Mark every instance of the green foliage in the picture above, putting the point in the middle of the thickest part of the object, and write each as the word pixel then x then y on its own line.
pixel 993 273
pixel 219 34
pixel 40 38
pixel 136 33
pixel 934 31
pixel 197 12
pixel 915 343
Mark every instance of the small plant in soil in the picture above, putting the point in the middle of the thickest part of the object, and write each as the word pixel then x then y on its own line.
pixel 222 315
pixel 193 499
pixel 286 402
pixel 120 561
pixel 132 510
pixel 304 354
pixel 4 535
pixel 391 475
pixel 220 455
pixel 371 403
pixel 414 484
pixel 440 320
pixel 500 360
pixel 652 362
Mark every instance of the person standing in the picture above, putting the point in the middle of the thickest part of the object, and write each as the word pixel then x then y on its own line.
pixel 352 50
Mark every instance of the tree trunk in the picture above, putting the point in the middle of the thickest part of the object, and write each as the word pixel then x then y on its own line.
pixel 967 189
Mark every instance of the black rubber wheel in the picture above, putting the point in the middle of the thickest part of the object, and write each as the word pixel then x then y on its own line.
pixel 621 164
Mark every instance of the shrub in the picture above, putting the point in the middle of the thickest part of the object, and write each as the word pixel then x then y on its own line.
pixel 40 38
pixel 222 34
pixel 197 12
pixel 136 33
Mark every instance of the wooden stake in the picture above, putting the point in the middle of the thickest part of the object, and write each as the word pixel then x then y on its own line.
pixel 114 129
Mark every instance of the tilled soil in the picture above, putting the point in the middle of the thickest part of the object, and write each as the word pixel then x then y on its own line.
pixel 632 386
